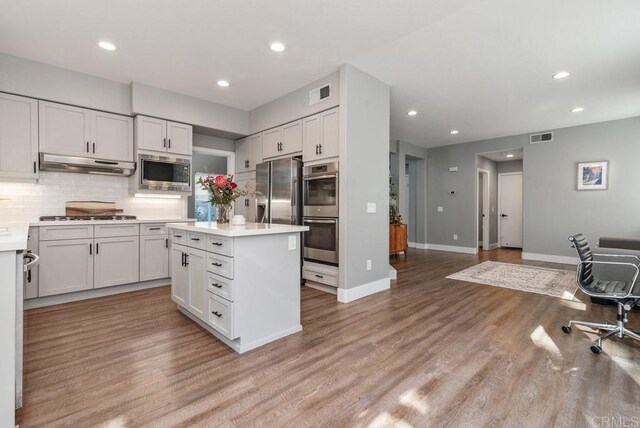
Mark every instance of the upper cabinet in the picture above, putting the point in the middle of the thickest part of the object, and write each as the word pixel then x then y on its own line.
pixel 284 140
pixel 18 137
pixel 321 135
pixel 75 131
pixel 163 136
pixel 248 153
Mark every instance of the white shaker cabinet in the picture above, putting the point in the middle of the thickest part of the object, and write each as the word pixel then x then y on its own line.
pixel 271 140
pixel 65 266
pixel 159 135
pixel 111 136
pixel 248 153
pixel 284 140
pixel 18 137
pixel 197 294
pixel 246 205
pixel 64 130
pixel 179 138
pixel 179 274
pixel 116 261
pixel 154 257
pixel 321 135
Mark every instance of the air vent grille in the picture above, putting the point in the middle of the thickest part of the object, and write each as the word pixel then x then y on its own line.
pixel 319 94
pixel 544 137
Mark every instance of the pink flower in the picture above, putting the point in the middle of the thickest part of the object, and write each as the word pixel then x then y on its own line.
pixel 221 181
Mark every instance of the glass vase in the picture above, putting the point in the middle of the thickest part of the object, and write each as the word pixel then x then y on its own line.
pixel 222 213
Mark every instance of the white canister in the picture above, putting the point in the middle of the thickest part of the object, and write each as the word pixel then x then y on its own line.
pixel 238 220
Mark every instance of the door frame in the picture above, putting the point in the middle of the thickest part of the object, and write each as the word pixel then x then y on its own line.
pixel 500 205
pixel 486 223
pixel 231 157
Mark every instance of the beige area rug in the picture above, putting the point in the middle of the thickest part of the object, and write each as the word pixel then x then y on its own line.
pixel 533 279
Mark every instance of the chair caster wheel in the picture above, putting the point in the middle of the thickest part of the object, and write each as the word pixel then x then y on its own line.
pixel 566 329
pixel 596 349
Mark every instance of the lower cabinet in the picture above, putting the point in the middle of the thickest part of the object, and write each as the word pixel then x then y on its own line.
pixel 116 261
pixel 189 279
pixel 65 266
pixel 220 315
pixel 154 257
pixel 179 274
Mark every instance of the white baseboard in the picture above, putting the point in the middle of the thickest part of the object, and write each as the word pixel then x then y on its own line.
pixel 322 287
pixel 346 295
pixel 452 248
pixel 550 258
pixel 41 302
pixel 494 246
pixel 393 274
pixel 417 245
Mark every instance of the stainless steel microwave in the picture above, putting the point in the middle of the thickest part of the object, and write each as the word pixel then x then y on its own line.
pixel 164 173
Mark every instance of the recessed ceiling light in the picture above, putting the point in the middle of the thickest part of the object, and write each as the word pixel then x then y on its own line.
pixel 561 75
pixel 454 132
pixel 107 45
pixel 277 46
pixel 509 155
pixel 412 112
pixel 223 83
pixel 577 110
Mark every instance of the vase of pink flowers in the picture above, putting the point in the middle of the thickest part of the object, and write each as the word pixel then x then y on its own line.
pixel 224 191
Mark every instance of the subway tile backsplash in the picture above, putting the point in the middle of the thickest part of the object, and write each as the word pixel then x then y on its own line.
pixel 29 201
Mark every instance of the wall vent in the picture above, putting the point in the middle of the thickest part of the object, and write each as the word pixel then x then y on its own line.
pixel 544 137
pixel 319 94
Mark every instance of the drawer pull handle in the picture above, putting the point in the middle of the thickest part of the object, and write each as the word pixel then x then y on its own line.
pixel 217 285
pixel 319 276
pixel 177 236
pixel 216 264
pixel 195 239
pixel 154 228
pixel 218 314
pixel 219 244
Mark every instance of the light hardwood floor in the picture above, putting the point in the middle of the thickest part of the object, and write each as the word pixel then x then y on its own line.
pixel 429 352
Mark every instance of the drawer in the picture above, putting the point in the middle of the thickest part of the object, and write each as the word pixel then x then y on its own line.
pixel 153 229
pixel 113 230
pixel 179 236
pixel 220 245
pixel 319 276
pixel 54 233
pixel 219 285
pixel 197 240
pixel 220 265
pixel 220 315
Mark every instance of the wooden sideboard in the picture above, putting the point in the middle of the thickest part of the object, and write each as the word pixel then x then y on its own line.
pixel 397 238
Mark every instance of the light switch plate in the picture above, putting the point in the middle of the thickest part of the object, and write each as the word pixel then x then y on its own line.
pixel 453 169
pixel 293 242
pixel 368 264
pixel 371 207
pixel 455 236
pixel 440 209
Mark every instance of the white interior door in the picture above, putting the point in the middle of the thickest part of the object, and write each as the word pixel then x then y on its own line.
pixel 510 210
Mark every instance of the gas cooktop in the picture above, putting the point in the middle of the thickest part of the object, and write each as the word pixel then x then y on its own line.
pixel 87 217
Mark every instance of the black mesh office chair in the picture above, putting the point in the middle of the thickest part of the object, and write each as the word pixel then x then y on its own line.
pixel 625 294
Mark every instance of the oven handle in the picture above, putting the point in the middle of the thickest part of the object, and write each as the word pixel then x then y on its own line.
pixel 320 221
pixel 319 177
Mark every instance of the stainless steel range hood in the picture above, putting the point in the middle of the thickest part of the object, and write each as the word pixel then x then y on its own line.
pixel 62 163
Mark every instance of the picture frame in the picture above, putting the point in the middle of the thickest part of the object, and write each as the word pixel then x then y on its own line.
pixel 593 175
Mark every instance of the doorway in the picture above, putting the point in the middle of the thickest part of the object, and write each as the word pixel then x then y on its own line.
pixel 510 209
pixel 482 210
pixel 206 162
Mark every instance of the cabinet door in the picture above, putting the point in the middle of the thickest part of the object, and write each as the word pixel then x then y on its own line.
pixel 116 261
pixel 111 136
pixel 151 133
pixel 31 280
pixel 243 155
pixel 18 137
pixel 64 130
pixel 291 138
pixel 179 275
pixel 330 132
pixel 197 265
pixel 255 151
pixel 179 138
pixel 65 266
pixel 154 257
pixel 311 139
pixel 271 140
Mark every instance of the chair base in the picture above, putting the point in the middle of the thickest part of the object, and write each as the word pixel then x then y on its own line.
pixel 618 330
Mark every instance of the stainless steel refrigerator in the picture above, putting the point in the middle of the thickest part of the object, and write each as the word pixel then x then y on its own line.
pixel 279 191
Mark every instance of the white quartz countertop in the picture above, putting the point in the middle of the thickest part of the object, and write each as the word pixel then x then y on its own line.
pixel 90 222
pixel 16 238
pixel 249 229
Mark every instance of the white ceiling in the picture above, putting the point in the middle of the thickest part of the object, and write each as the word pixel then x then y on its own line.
pixel 481 66
pixel 501 156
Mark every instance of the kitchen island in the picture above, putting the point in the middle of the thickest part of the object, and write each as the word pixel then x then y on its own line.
pixel 240 283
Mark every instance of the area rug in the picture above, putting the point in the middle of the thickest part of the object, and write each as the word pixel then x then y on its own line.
pixel 533 279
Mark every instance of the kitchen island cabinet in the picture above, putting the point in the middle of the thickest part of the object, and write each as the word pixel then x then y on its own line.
pixel 240 283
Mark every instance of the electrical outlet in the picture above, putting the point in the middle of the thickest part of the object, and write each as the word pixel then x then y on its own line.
pixel 440 209
pixel 455 236
pixel 368 264
pixel 371 207
pixel 293 242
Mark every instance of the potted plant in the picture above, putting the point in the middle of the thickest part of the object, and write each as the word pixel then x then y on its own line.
pixel 223 191
pixel 397 229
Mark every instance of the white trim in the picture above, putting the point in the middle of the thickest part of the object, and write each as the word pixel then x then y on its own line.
pixel 393 273
pixel 500 207
pixel 322 287
pixel 494 245
pixel 550 258
pixel 486 232
pixel 41 302
pixel 418 245
pixel 452 248
pixel 350 294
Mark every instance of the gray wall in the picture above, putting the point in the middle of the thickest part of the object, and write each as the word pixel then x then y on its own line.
pixel 492 167
pixel 202 162
pixel 510 166
pixel 364 154
pixel 553 208
pixel 294 105
pixel 210 142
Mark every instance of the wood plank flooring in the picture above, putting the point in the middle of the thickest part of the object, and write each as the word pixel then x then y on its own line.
pixel 428 352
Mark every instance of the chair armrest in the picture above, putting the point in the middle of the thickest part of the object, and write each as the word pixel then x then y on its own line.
pixel 633 280
pixel 618 255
